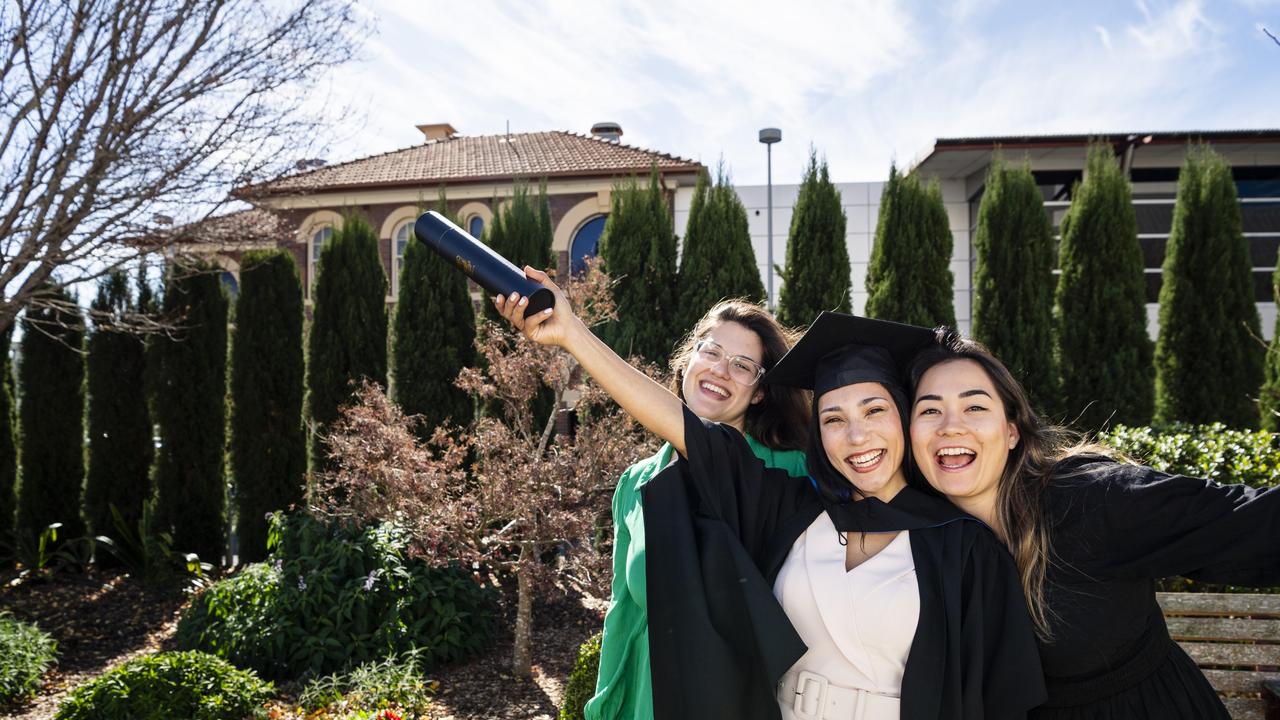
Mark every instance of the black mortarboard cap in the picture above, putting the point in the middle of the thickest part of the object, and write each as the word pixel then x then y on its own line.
pixel 840 349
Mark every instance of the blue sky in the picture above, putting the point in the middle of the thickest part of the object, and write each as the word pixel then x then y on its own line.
pixel 866 82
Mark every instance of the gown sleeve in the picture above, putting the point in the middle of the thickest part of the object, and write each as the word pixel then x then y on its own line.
pixel 730 484
pixel 1137 522
pixel 999 636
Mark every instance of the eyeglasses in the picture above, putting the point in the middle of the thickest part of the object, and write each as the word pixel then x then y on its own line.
pixel 742 369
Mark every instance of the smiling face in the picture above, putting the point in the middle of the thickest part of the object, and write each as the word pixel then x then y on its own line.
pixel 710 390
pixel 862 436
pixel 960 435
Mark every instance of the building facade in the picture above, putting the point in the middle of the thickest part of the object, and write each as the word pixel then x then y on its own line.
pixel 580 171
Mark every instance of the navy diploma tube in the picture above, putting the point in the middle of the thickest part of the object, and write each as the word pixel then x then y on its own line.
pixel 490 270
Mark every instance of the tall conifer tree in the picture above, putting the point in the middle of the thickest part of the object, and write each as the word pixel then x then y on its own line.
pixel 435 331
pixel 348 339
pixel 638 249
pixel 817 274
pixel 909 279
pixel 121 446
pixel 717 261
pixel 51 384
pixel 1209 362
pixel 8 439
pixel 190 484
pixel 1270 396
pixel 1100 314
pixel 268 442
pixel 1013 280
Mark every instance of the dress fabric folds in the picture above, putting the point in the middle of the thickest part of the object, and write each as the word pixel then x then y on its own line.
pixel 1115 528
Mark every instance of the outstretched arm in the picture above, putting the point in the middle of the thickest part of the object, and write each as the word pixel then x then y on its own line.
pixel 652 405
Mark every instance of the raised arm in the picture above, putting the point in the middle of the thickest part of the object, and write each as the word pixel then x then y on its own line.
pixel 645 400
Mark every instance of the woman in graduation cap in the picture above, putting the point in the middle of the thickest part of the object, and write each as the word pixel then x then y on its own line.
pixel 850 595
pixel 1090 535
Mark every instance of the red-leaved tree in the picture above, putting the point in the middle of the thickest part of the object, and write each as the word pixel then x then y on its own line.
pixel 527 491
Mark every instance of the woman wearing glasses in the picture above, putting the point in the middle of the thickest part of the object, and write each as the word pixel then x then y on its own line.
pixel 717 372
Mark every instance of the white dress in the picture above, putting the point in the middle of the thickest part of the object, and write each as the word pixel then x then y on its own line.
pixel 858 625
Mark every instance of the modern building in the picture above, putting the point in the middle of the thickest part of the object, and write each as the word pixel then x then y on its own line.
pixel 960 166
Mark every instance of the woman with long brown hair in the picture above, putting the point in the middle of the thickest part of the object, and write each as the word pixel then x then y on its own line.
pixel 1090 535
pixel 716 371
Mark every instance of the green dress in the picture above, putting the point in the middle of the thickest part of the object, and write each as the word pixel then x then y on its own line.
pixel 624 690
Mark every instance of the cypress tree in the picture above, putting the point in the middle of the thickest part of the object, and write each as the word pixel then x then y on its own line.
pixel 268 443
pixel 8 439
pixel 348 339
pixel 435 331
pixel 1209 363
pixel 121 446
pixel 638 250
pixel 817 274
pixel 1104 352
pixel 1270 400
pixel 717 261
pixel 190 485
pixel 1013 280
pixel 51 383
pixel 909 279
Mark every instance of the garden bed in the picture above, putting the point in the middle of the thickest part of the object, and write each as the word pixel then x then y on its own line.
pixel 101 619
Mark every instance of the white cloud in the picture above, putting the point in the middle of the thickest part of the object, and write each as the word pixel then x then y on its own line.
pixel 865 82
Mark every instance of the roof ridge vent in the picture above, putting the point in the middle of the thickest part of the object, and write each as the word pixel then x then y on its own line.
pixel 607 131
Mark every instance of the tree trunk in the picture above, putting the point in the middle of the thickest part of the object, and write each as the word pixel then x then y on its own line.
pixel 521 659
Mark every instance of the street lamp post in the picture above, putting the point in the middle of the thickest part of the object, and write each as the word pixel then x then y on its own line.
pixel 769 136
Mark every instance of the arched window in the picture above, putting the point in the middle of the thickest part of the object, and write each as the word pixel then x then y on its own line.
pixel 319 237
pixel 229 281
pixel 475 226
pixel 402 236
pixel 585 243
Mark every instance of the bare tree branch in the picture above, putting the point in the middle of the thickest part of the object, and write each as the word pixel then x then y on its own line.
pixel 1273 37
pixel 114 112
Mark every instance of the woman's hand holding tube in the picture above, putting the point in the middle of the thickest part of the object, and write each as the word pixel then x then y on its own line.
pixel 644 399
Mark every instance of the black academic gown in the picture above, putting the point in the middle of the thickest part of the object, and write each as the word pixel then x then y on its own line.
pixel 1114 529
pixel 718 528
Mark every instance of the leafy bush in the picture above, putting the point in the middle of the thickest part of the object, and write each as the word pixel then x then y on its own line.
pixel 1214 452
pixel 25 654
pixel 582 681
pixel 168 685
pixel 395 683
pixel 333 597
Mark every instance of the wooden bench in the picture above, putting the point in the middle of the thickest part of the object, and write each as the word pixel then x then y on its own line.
pixel 1235 639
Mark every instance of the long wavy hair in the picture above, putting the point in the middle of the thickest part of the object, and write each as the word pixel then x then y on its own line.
pixel 780 420
pixel 1021 514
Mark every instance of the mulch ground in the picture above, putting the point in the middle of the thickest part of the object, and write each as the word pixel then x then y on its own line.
pixel 101 619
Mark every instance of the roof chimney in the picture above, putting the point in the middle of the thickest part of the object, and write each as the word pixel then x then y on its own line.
pixel 607 130
pixel 437 131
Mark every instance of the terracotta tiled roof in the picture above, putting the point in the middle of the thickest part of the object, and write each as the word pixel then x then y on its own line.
pixel 472 159
pixel 254 225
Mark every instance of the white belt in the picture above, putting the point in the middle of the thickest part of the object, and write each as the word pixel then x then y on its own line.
pixel 811 697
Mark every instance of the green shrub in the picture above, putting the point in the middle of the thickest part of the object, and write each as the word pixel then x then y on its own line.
pixel 582 681
pixel 393 683
pixel 25 654
pixel 332 597
pixel 163 686
pixel 1214 452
